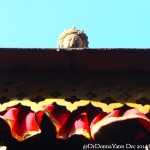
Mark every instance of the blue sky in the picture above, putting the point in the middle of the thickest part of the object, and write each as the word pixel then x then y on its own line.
pixel 108 23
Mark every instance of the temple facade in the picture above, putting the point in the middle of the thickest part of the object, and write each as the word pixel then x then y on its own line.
pixel 75 98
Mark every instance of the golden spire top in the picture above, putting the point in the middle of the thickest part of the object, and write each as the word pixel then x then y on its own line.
pixel 73 38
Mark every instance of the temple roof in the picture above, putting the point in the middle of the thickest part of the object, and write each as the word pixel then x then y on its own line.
pixel 94 95
pixel 77 59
